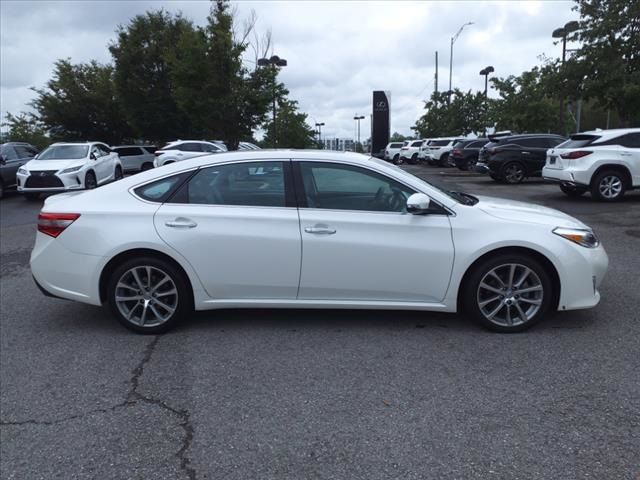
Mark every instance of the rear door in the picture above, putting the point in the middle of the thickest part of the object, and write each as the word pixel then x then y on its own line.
pixel 533 153
pixel 237 225
pixel 360 244
pixel 131 158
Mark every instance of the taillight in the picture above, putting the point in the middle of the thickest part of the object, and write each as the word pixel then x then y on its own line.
pixel 457 151
pixel 53 224
pixel 576 154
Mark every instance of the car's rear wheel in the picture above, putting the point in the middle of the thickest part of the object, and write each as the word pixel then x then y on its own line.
pixel 608 186
pixel 414 158
pixel 146 166
pixel 117 174
pixel 513 172
pixel 148 295
pixel 444 160
pixel 508 293
pixel 90 181
pixel 572 190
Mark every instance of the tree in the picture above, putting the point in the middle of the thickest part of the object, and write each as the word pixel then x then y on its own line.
pixel 222 97
pixel 142 55
pixel 397 137
pixel 79 102
pixel 608 61
pixel 465 113
pixel 26 127
pixel 292 128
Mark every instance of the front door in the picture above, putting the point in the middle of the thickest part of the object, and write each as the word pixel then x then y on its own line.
pixel 238 227
pixel 360 244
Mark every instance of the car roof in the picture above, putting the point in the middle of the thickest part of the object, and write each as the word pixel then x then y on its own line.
pixel 75 143
pixel 612 132
pixel 130 146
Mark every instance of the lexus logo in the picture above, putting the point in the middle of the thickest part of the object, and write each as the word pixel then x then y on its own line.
pixel 381 104
pixel 42 174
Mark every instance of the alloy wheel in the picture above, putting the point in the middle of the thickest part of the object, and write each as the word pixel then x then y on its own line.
pixel 514 173
pixel 610 187
pixel 146 296
pixel 510 295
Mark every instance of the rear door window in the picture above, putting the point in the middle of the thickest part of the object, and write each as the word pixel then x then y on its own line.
pixel 417 144
pixel 190 147
pixel 25 151
pixel 128 151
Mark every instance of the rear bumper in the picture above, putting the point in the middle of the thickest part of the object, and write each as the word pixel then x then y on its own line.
pixel 566 177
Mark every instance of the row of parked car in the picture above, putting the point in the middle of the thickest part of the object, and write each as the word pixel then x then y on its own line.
pixel 604 162
pixel 84 165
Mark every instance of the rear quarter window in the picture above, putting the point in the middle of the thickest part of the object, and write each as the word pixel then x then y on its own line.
pixel 161 190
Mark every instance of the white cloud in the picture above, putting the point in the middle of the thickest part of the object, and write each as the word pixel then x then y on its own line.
pixel 338 52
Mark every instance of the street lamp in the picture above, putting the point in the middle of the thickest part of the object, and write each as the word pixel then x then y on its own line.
pixel 357 118
pixel 453 40
pixel 562 33
pixel 486 71
pixel 274 62
pixel 320 125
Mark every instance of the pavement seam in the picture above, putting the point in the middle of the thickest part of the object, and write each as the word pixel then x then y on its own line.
pixel 134 396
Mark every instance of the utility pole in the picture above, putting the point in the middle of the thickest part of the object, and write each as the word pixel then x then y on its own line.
pixel 453 40
pixel 562 33
pixel 357 118
pixel 436 86
pixel 274 62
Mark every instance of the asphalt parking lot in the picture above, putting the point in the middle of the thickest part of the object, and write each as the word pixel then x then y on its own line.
pixel 240 394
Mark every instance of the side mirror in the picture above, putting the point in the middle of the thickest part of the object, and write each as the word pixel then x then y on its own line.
pixel 92 156
pixel 418 204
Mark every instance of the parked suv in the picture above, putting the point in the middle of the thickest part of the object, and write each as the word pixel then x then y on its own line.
pixel 513 158
pixel 409 151
pixel 183 149
pixel 392 151
pixel 606 162
pixel 439 149
pixel 69 166
pixel 465 153
pixel 12 156
pixel 136 158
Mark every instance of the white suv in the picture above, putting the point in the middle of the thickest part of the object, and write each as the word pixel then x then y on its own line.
pixel 439 149
pixel 606 162
pixel 409 151
pixel 183 149
pixel 392 151
pixel 69 166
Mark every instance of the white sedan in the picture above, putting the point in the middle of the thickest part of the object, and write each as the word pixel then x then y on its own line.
pixel 309 229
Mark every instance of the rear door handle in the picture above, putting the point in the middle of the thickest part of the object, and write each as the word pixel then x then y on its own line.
pixel 181 222
pixel 320 230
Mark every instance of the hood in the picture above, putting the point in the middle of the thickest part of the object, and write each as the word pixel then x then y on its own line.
pixel 526 212
pixel 53 164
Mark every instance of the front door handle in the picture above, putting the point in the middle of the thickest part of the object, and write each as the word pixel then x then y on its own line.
pixel 181 222
pixel 320 230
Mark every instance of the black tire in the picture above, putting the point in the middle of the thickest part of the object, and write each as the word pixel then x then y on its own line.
pixel 146 166
pixel 181 301
pixel 414 159
pixel 32 197
pixel 473 294
pixel 572 191
pixel 608 186
pixel 444 160
pixel 117 174
pixel 513 173
pixel 398 160
pixel 90 181
pixel 1 189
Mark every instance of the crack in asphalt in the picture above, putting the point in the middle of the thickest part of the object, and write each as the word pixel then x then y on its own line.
pixel 134 396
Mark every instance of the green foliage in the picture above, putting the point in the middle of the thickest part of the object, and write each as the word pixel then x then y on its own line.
pixel 291 128
pixel 79 102
pixel 608 60
pixel 26 127
pixel 142 55
pixel 466 113
pixel 397 137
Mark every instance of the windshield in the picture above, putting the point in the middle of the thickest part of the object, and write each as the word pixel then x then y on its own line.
pixel 64 152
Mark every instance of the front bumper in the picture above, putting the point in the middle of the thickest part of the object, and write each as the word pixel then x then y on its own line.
pixel 583 272
pixel 33 183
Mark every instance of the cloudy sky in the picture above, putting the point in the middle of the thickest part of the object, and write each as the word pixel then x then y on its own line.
pixel 338 51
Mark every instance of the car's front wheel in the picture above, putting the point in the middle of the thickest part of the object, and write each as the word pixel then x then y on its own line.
pixel 507 293
pixel 90 181
pixel 608 186
pixel 513 172
pixel 148 295
pixel 117 174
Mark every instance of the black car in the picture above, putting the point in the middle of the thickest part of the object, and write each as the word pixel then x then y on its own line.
pixel 12 156
pixel 465 153
pixel 513 158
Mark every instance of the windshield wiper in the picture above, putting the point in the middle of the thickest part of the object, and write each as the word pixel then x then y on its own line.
pixel 464 198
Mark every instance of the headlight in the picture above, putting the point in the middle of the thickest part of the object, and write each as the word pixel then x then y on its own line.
pixel 585 238
pixel 71 170
pixel 23 171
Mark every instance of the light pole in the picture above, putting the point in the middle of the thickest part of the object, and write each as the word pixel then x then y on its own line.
pixel 453 40
pixel 562 33
pixel 274 62
pixel 357 118
pixel 486 71
pixel 320 125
